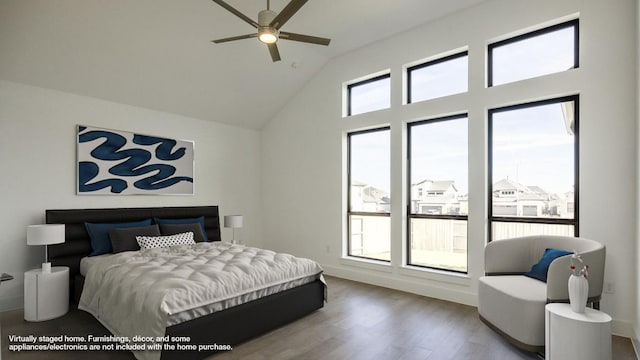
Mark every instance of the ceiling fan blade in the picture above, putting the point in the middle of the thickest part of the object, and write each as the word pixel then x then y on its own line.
pixel 240 37
pixel 304 38
pixel 236 13
pixel 273 50
pixel 287 13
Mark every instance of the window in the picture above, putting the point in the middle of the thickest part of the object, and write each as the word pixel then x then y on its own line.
pixel 438 78
pixel 437 163
pixel 546 51
pixel 369 95
pixel 533 169
pixel 531 163
pixel 369 200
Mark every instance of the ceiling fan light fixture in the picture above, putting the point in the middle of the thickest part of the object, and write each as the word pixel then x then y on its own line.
pixel 268 35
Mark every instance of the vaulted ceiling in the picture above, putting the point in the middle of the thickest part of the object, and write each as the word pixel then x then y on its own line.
pixel 158 54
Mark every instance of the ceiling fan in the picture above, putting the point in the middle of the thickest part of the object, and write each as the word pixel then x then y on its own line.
pixel 269 24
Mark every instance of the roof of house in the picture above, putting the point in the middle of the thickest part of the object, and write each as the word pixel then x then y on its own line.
pixel 525 193
pixel 437 185
pixel 508 184
pixel 375 195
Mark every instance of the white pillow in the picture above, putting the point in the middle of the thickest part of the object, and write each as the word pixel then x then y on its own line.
pixel 152 242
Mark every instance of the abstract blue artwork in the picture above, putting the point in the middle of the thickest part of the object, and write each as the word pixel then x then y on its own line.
pixel 117 162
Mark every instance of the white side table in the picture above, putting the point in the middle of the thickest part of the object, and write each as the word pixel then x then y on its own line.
pixel 46 296
pixel 570 335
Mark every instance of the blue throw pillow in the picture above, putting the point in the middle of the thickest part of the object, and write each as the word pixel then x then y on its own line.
pixel 99 234
pixel 198 220
pixel 539 271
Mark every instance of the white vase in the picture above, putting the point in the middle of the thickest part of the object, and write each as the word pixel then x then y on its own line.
pixel 578 292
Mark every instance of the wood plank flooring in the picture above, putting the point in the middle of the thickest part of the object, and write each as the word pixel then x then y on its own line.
pixel 360 321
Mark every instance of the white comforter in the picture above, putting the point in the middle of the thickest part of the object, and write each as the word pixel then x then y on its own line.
pixel 134 292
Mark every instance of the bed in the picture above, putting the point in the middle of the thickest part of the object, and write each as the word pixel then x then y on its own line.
pixel 230 326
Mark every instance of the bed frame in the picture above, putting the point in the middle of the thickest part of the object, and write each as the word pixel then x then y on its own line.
pixel 228 327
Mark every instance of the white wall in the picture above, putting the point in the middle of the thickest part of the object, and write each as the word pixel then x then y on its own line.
pixel 38 157
pixel 303 147
pixel 636 338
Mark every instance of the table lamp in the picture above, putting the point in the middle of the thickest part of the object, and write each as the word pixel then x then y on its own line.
pixel 234 222
pixel 45 235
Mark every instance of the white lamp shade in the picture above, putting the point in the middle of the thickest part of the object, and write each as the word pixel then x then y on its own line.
pixel 45 234
pixel 233 221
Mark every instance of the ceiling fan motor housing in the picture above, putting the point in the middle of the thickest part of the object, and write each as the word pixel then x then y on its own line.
pixel 265 17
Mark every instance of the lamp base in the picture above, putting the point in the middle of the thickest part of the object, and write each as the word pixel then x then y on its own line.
pixel 46 268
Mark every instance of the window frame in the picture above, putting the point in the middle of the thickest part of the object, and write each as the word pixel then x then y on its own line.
pixel 361 213
pixel 410 214
pixel 576 164
pixel 364 82
pixel 575 23
pixel 410 69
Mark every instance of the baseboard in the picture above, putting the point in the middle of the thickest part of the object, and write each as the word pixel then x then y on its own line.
pixel 622 328
pixel 433 289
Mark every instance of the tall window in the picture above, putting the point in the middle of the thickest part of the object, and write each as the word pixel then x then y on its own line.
pixel 438 78
pixel 369 194
pixel 533 169
pixel 546 51
pixel 438 193
pixel 369 95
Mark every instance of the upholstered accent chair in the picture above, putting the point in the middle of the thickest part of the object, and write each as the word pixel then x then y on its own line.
pixel 513 304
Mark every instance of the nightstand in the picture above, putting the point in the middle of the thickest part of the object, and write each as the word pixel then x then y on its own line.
pixel 570 335
pixel 46 295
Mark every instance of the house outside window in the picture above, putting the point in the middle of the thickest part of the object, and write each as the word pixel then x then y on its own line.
pixel 533 169
pixel 369 200
pixel 437 163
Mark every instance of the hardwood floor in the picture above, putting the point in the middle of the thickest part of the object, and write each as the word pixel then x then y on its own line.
pixel 360 321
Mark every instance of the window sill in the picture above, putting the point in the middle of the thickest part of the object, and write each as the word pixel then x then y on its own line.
pixel 436 275
pixel 369 264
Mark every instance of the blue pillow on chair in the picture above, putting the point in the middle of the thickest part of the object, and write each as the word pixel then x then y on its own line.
pixel 539 271
pixel 198 220
pixel 99 234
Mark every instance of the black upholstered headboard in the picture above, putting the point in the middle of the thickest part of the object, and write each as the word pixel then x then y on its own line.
pixel 78 245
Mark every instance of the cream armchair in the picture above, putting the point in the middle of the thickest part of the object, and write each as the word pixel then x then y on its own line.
pixel 513 304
